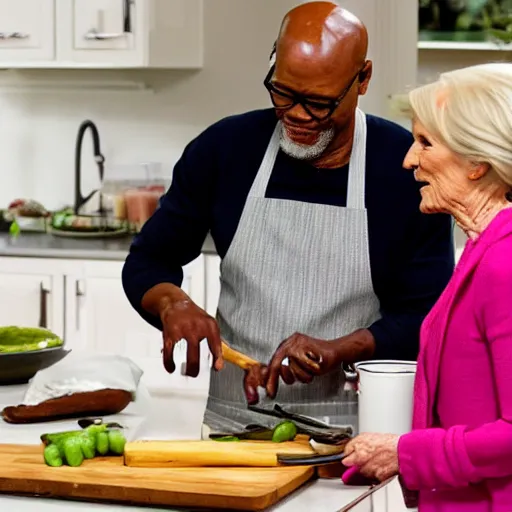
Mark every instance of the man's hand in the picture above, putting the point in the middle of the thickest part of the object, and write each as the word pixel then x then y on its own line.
pixel 256 376
pixel 182 319
pixel 310 357
pixel 185 320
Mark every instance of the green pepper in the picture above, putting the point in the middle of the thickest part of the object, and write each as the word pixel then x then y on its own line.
pixel 227 438
pixel 52 456
pixel 102 443
pixel 116 441
pixel 284 431
pixel 88 446
pixel 73 451
pixel 96 429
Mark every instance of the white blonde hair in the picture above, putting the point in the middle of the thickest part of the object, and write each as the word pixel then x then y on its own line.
pixel 470 111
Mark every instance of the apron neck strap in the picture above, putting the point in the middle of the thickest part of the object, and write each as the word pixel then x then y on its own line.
pixel 356 171
pixel 357 165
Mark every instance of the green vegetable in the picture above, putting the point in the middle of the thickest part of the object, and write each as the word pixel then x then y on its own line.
pixel 27 339
pixel 58 438
pixel 52 456
pixel 73 446
pixel 88 446
pixel 14 229
pixel 284 431
pixel 94 430
pixel 73 451
pixel 116 441
pixel 102 443
pixel 227 438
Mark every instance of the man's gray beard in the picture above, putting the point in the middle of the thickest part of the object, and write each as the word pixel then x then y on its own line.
pixel 303 151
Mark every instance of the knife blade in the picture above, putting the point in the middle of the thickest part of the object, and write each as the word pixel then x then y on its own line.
pixel 369 492
pixel 309 460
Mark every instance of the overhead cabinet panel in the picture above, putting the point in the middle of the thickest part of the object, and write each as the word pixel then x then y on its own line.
pixel 27 30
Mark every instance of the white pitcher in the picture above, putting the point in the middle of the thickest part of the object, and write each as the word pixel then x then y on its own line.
pixel 386 395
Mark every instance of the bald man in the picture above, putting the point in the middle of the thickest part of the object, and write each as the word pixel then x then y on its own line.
pixel 326 259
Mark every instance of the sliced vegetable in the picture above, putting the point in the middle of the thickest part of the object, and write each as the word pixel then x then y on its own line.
pixel 116 441
pixel 73 451
pixel 102 443
pixel 52 456
pixel 88 446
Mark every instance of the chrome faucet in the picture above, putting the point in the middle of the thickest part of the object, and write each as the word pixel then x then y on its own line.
pixel 98 157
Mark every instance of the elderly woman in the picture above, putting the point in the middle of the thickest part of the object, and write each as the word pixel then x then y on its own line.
pixel 459 453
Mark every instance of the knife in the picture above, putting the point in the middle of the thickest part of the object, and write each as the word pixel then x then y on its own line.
pixel 369 492
pixel 309 460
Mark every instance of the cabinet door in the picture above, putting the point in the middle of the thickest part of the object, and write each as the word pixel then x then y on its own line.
pixel 31 295
pixel 395 498
pixel 27 30
pixel 107 32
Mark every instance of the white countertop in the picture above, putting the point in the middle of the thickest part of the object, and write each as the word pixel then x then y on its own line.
pixel 162 415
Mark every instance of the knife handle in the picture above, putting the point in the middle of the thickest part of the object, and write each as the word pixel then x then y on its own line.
pixel 237 358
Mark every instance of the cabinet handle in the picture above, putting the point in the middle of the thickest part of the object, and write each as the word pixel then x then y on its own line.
pixel 79 292
pixel 13 35
pixel 95 35
pixel 43 306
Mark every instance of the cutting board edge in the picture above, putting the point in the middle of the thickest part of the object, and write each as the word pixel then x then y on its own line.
pixel 25 457
pixel 70 491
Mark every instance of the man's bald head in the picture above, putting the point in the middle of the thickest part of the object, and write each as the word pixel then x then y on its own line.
pixel 323 31
pixel 320 70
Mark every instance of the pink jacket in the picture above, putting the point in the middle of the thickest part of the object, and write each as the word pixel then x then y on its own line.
pixel 459 454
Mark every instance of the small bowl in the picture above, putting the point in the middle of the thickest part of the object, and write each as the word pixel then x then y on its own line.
pixel 20 367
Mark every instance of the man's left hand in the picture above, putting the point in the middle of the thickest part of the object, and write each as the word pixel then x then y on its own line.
pixel 376 455
pixel 310 357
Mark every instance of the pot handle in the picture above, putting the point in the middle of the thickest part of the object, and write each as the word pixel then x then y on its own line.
pixel 351 374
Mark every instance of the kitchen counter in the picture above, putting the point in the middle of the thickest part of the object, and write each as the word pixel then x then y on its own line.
pixel 40 245
pixel 179 414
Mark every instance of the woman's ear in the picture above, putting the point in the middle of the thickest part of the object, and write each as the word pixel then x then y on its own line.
pixel 479 170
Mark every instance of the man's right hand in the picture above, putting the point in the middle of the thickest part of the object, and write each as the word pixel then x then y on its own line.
pixel 182 319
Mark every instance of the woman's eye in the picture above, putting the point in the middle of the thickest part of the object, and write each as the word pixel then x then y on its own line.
pixel 423 141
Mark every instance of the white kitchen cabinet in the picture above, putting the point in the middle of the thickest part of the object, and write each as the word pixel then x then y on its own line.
pixel 395 497
pixel 31 293
pixel 102 34
pixel 27 29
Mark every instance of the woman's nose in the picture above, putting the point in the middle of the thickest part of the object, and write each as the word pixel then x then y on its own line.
pixel 411 160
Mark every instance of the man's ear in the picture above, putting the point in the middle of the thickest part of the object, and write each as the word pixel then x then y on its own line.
pixel 479 170
pixel 364 76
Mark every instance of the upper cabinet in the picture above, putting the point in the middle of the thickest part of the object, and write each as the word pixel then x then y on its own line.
pixel 101 34
pixel 27 29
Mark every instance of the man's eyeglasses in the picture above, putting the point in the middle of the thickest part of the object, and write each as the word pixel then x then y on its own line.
pixel 318 109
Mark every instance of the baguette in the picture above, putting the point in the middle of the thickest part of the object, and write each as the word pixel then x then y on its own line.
pixel 77 405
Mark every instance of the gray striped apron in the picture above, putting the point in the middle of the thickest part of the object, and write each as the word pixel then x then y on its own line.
pixel 294 267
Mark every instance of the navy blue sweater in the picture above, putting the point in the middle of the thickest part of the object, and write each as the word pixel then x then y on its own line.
pixel 411 254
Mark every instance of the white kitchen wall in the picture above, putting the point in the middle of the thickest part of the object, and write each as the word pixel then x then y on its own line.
pixel 38 130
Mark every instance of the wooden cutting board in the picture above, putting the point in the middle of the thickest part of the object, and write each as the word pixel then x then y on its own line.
pixel 22 471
